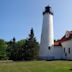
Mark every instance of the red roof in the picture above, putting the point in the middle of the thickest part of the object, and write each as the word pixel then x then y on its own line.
pixel 64 38
pixel 57 43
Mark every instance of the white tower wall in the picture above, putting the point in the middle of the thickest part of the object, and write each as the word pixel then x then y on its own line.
pixel 47 37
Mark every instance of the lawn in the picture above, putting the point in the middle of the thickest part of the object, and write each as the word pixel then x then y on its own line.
pixel 36 66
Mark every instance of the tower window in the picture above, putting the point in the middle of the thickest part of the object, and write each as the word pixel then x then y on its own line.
pixel 69 50
pixel 49 47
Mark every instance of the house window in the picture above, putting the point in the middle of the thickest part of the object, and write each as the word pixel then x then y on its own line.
pixel 65 54
pixel 64 50
pixel 69 50
pixel 49 47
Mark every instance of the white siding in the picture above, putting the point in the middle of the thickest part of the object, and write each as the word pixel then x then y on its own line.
pixel 58 52
pixel 67 45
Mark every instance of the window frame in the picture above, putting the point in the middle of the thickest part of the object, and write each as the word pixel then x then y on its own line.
pixel 69 50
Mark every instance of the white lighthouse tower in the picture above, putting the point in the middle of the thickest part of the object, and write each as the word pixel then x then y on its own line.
pixel 47 36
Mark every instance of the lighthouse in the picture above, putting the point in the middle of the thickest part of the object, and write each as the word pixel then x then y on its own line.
pixel 47 35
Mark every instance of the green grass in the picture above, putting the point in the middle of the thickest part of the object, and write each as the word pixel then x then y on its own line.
pixel 36 66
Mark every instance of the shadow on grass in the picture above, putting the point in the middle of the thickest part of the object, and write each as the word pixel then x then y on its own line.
pixel 70 69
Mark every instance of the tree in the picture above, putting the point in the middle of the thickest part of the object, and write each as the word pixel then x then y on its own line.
pixel 15 50
pixel 20 49
pixel 24 49
pixel 12 49
pixel 21 42
pixel 3 47
pixel 31 47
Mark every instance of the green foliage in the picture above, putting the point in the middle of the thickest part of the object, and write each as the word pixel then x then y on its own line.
pixel 31 47
pixel 25 49
pixel 15 50
pixel 11 49
pixel 21 42
pixel 3 47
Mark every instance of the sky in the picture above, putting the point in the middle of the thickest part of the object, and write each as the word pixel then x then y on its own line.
pixel 17 17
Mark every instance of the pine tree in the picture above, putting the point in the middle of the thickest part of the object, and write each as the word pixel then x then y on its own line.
pixel 31 47
pixel 12 49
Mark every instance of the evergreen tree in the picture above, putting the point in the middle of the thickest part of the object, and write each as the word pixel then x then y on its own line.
pixel 15 50
pixel 12 49
pixel 23 49
pixel 31 47
pixel 20 49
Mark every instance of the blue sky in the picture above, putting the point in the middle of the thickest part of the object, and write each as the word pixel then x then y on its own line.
pixel 17 17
